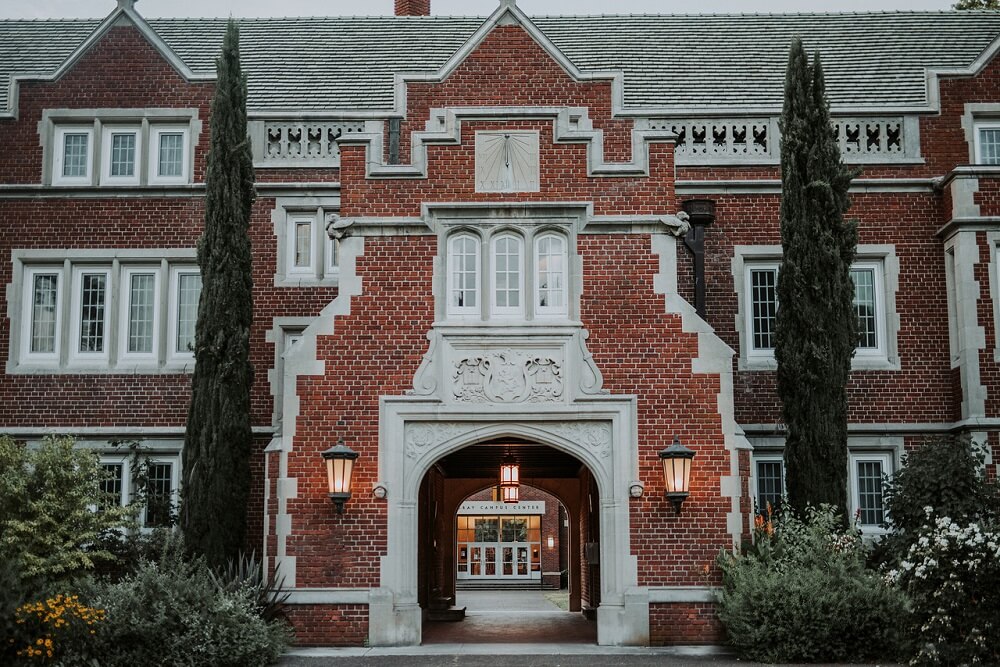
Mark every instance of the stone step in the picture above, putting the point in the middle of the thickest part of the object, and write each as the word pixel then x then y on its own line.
pixel 450 614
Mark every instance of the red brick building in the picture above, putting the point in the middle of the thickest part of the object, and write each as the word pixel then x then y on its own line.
pixel 555 237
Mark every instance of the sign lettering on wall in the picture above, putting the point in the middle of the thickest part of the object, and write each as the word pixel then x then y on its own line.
pixel 488 507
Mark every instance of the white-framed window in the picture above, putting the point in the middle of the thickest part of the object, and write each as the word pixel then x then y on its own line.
pixel 875 277
pixel 307 254
pixel 140 315
pixel 89 314
pixel 185 292
pixel 169 153
pixel 73 155
pixel 769 481
pixel 118 147
pixel 153 479
pixel 866 478
pixel 463 274
pixel 869 304
pixel 514 275
pixel 301 253
pixel 507 258
pixel 987 140
pixel 762 310
pixel 551 296
pixel 42 314
pixel 105 316
pixel 121 152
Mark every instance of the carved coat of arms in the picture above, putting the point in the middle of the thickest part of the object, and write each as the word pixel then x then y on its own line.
pixel 507 376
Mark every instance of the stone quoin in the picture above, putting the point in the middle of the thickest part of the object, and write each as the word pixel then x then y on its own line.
pixel 551 239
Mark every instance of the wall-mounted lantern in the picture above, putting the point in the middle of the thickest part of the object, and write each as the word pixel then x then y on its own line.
pixel 676 461
pixel 510 479
pixel 551 542
pixel 339 468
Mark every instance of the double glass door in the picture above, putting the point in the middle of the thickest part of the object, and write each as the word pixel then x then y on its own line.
pixel 499 547
pixel 498 560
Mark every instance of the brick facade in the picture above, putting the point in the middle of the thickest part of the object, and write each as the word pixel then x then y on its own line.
pixel 370 335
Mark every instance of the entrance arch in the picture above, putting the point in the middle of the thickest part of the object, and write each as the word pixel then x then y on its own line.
pixel 484 556
pixel 415 433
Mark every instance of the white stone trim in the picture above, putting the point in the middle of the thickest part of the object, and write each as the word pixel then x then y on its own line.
pixel 322 271
pixel 297 596
pixel 681 594
pixel 993 240
pixel 714 358
pixel 971 336
pixel 302 360
pixel 444 127
pixel 886 262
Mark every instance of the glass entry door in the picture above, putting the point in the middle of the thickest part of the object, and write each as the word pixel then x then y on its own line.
pixel 515 561
pixel 482 560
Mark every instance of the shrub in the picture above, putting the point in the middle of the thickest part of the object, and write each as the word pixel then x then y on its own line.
pixel 246 574
pixel 175 612
pixel 803 595
pixel 59 629
pixel 946 475
pixel 48 496
pixel 952 575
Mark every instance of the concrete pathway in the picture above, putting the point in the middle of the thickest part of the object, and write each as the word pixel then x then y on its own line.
pixel 510 617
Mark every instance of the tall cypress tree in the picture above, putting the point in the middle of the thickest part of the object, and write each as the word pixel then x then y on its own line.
pixel 218 439
pixel 817 326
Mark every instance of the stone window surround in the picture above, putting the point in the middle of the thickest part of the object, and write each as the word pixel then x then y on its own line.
pixel 324 269
pixel 885 254
pixel 165 264
pixel 888 449
pixel 528 232
pixel 976 116
pixel 148 123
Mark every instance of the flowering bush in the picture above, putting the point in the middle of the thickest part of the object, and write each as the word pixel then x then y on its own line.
pixel 952 575
pixel 59 629
pixel 802 594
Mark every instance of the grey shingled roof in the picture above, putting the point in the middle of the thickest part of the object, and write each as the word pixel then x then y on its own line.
pixel 732 61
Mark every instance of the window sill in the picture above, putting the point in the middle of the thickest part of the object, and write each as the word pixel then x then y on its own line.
pixel 857 364
pixel 169 368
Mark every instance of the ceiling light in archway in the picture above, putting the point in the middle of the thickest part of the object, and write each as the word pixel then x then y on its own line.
pixel 510 479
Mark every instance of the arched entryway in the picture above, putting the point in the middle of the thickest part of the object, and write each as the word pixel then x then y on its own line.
pixel 416 435
pixel 499 546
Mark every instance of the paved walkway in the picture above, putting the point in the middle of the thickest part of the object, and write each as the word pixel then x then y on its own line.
pixel 512 629
pixel 510 617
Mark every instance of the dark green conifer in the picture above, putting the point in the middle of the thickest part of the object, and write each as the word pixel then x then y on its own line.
pixel 219 438
pixel 817 326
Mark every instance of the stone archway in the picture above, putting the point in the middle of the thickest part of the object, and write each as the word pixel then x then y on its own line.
pixel 415 433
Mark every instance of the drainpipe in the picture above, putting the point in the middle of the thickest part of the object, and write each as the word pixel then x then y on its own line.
pixel 701 213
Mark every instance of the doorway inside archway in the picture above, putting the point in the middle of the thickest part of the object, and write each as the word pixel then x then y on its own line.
pixel 510 572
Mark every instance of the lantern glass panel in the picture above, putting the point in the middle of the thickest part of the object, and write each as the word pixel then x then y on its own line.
pixel 339 474
pixel 677 474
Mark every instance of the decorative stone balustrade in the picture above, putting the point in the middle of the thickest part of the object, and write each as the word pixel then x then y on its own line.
pixel 756 140
pixel 299 143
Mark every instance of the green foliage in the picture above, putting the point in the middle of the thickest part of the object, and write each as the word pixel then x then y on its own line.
pixel 218 440
pixel 60 630
pixel 13 593
pixel 49 522
pixel 246 574
pixel 175 612
pixel 977 4
pixel 817 327
pixel 952 576
pixel 803 595
pixel 946 475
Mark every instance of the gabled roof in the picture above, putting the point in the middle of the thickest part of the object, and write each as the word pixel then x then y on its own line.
pixel 671 64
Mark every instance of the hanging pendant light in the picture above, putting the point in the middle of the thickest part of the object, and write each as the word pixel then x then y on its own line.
pixel 510 479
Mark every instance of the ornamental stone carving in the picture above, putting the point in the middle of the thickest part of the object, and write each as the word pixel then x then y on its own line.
pixel 595 436
pixel 507 376
pixel 422 437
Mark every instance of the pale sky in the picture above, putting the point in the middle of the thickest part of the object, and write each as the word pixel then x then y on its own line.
pixel 152 8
